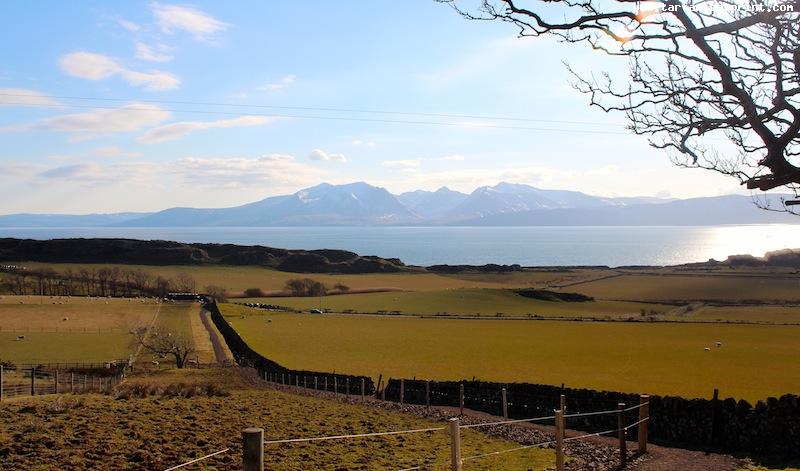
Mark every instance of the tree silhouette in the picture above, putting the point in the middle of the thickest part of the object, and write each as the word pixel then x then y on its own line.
pixel 699 73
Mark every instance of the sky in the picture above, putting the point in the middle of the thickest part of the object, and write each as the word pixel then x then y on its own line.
pixel 141 106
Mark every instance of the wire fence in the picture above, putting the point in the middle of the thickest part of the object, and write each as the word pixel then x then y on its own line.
pixel 253 441
pixel 19 382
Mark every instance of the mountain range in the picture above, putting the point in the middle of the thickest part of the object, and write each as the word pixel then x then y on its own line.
pixel 504 204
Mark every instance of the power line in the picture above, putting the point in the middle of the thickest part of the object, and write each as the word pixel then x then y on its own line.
pixel 311 108
pixel 329 118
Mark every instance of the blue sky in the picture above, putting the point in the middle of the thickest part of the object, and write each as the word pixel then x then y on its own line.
pixel 100 106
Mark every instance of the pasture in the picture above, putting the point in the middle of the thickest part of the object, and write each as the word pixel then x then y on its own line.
pixel 238 278
pixel 67 330
pixel 725 288
pixel 754 361
pixel 101 432
pixel 464 302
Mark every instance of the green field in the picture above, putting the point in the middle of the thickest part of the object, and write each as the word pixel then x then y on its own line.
pixel 101 432
pixel 73 314
pixel 754 362
pixel 774 314
pixel 239 278
pixel 676 287
pixel 62 347
pixel 484 302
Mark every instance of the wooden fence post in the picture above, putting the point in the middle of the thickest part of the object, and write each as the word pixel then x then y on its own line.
pixel 297 380
pixel 461 398
pixel 623 447
pixel 455 445
pixel 428 394
pixel 282 378
pixel 315 383
pixel 363 390
pixel 325 383
pixel 305 381
pixel 72 382
pixel 55 382
pixel 714 417
pixel 559 440
pixel 1 383
pixel 505 403
pixel 402 390
pixel 347 386
pixel 562 401
pixel 644 414
pixel 378 386
pixel 253 449
pixel 33 381
pixel 84 383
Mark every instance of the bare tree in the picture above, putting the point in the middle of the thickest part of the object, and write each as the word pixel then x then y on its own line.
pixel 217 292
pixel 700 73
pixel 161 341
pixel 185 283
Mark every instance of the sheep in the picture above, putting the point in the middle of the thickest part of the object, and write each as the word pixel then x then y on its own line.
pixel 719 344
pixel 155 362
pixel 20 337
pixel 707 349
pixel 65 319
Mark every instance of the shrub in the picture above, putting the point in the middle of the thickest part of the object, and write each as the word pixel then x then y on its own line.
pixel 305 287
pixel 254 293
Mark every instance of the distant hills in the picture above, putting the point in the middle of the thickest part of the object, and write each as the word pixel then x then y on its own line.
pixel 505 204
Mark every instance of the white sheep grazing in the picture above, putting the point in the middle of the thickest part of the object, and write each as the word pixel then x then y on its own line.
pixel 65 319
pixel 719 344
pixel 707 349
pixel 155 362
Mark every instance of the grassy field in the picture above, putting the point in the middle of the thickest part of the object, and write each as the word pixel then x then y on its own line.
pixel 61 347
pixel 96 330
pixel 484 302
pixel 99 432
pixel 239 278
pixel 30 313
pixel 754 362
pixel 774 314
pixel 721 287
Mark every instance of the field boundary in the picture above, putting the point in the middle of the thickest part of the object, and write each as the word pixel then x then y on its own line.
pixel 713 425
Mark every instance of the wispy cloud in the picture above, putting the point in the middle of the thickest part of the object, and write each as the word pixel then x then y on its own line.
pixel 172 131
pixel 184 18
pixel 285 82
pixel 24 97
pixel 113 151
pixel 359 143
pixel 129 25
pixel 319 154
pixel 147 53
pixel 272 170
pixel 131 117
pixel 92 66
pixel 409 164
pixel 451 158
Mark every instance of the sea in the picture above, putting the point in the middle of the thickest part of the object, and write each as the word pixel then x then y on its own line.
pixel 527 246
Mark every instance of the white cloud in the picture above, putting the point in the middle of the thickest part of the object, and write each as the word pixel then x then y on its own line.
pixel 285 82
pixel 452 158
pixel 146 53
pixel 191 20
pixel 24 97
pixel 131 117
pixel 319 154
pixel 129 25
pixel 172 131
pixel 409 164
pixel 91 174
pixel 113 151
pixel 272 170
pixel 92 66
pixel 359 143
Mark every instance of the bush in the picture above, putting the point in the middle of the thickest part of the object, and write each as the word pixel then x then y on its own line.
pixel 342 288
pixel 142 390
pixel 254 293
pixel 8 364
pixel 305 287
